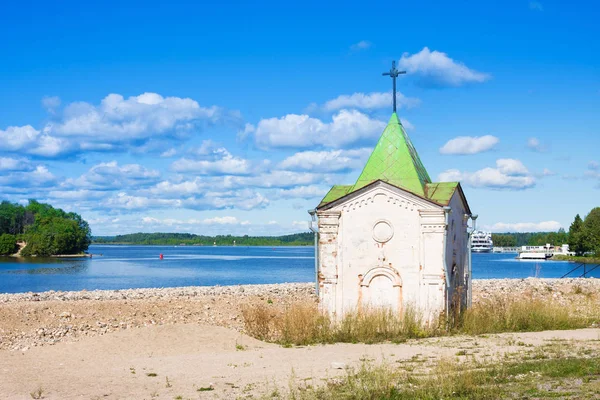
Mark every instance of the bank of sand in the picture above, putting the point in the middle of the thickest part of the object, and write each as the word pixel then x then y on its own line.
pixel 109 344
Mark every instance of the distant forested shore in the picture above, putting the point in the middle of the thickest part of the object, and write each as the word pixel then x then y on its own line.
pixel 583 237
pixel 190 239
pixel 512 239
pixel 39 229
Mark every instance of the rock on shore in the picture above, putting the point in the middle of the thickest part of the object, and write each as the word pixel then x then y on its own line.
pixel 38 319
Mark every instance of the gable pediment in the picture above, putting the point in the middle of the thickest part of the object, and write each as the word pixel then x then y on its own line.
pixel 381 191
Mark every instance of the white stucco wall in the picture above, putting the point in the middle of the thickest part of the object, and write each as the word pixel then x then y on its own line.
pixel 359 267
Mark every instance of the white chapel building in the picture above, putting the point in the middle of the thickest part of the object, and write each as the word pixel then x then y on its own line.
pixel 394 238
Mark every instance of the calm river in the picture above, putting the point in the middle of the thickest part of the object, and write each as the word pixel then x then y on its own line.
pixel 122 267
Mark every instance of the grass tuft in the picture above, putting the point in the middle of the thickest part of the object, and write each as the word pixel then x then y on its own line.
pixel 37 393
pixel 496 316
pixel 302 324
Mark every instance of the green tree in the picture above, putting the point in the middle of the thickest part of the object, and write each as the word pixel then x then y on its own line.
pixel 506 240
pixel 47 230
pixel 591 227
pixel 8 244
pixel 577 237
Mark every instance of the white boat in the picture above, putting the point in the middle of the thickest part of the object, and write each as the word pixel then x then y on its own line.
pixel 533 255
pixel 481 242
pixel 535 252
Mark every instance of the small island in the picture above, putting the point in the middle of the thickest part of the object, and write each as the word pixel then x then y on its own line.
pixel 41 230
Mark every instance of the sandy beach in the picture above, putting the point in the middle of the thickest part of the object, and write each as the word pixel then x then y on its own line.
pixel 146 343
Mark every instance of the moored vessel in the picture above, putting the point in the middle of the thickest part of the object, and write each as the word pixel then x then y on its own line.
pixel 481 242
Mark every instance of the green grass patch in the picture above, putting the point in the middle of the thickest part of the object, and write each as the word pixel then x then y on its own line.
pixel 451 380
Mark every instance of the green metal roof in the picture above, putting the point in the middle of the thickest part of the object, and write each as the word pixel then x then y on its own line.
pixel 394 160
pixel 336 192
pixel 441 192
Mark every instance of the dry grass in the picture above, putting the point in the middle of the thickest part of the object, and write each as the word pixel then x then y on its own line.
pixel 303 324
pixel 524 315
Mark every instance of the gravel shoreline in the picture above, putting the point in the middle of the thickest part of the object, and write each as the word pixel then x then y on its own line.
pixel 158 293
pixel 481 288
pixel 39 319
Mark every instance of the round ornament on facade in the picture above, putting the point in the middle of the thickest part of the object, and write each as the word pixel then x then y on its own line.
pixel 383 231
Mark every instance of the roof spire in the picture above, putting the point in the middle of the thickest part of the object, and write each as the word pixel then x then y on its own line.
pixel 394 74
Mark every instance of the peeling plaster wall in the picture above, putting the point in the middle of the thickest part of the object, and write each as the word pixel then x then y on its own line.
pixel 385 247
pixel 382 247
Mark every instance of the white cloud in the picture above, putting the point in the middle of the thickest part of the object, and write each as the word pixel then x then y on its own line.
pixel 362 45
pixel 226 220
pixel 326 161
pixel 303 192
pixel 124 201
pixel 15 164
pixel 509 174
pixel 535 145
pixel 536 6
pixel 76 195
pixel 593 170
pixel 545 226
pixel 277 179
pixel 510 166
pixel 40 176
pixel 51 103
pixel 406 124
pixel 469 144
pixel 168 153
pixel 435 68
pixel 548 172
pixel 206 148
pixel 293 130
pixel 369 101
pixel 244 199
pixel 247 131
pixel 110 176
pixel 301 224
pixel 116 124
pixel 223 164
pixel 28 140
pixel 117 119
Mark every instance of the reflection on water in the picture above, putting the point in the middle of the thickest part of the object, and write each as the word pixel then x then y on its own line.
pixel 122 267
pixel 65 269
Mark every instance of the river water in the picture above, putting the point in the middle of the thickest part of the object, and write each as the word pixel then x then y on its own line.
pixel 123 267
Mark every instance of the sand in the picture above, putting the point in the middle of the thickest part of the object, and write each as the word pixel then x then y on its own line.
pixel 109 344
pixel 188 357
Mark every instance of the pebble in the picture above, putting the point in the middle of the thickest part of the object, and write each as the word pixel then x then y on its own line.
pixel 49 323
pixel 338 365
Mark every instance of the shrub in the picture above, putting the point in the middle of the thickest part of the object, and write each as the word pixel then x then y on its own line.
pixel 8 244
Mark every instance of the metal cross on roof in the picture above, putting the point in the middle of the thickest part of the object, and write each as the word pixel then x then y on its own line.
pixel 394 74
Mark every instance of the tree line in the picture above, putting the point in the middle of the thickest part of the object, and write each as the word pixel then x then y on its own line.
pixel 46 230
pixel 190 239
pixel 519 239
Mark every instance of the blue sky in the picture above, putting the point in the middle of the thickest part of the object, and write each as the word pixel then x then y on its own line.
pixel 237 117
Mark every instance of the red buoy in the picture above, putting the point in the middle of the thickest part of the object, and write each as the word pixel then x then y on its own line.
pixel 161 256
